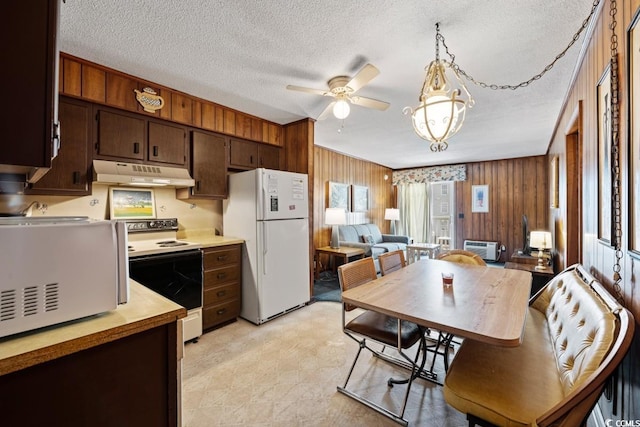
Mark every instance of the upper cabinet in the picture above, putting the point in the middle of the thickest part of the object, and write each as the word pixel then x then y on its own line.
pixel 209 154
pixel 250 155
pixel 69 174
pixel 30 91
pixel 133 137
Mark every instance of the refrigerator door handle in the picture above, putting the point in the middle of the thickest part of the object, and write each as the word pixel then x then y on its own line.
pixel 265 246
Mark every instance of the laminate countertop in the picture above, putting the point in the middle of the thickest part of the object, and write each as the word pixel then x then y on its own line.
pixel 208 238
pixel 145 310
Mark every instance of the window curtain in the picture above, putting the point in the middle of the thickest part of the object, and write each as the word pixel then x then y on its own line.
pixel 413 202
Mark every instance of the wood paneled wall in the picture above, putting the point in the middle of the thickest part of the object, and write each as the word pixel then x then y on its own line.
pixel 516 187
pixel 597 256
pixel 331 166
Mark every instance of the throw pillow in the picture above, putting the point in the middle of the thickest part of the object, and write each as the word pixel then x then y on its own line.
pixel 367 238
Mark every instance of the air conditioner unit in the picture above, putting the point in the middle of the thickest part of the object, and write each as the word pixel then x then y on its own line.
pixel 489 251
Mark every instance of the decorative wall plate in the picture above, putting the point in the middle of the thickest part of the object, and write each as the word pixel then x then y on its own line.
pixel 149 99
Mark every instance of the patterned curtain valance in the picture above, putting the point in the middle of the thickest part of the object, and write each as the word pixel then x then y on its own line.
pixel 431 174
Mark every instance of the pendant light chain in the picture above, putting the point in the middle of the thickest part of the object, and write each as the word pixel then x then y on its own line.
pixel 615 156
pixel 525 83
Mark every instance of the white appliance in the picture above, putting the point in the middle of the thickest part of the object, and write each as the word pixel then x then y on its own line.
pixel 57 269
pixel 269 209
pixel 489 251
pixel 170 267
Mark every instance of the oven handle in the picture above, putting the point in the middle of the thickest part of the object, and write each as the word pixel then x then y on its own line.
pixel 171 255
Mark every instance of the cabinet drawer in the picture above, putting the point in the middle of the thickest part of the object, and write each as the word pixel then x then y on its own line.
pixel 220 313
pixel 221 275
pixel 218 294
pixel 214 258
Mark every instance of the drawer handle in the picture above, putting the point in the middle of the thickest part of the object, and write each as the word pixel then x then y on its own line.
pixel 76 177
pixel 221 293
pixel 155 151
pixel 222 275
pixel 221 311
pixel 222 257
pixel 136 148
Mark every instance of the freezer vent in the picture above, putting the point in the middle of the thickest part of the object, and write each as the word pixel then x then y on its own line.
pixel 7 305
pixel 30 301
pixel 487 250
pixel 51 297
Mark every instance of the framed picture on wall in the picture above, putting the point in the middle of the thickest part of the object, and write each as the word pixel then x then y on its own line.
pixel 339 196
pixel 130 203
pixel 479 198
pixel 603 96
pixel 359 198
pixel 634 134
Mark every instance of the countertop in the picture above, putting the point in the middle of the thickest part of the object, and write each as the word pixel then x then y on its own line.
pixel 207 238
pixel 145 310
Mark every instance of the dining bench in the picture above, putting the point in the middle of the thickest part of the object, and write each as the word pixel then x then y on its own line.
pixel 575 336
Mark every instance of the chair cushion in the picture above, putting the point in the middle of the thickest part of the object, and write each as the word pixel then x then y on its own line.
pixel 384 329
pixel 510 395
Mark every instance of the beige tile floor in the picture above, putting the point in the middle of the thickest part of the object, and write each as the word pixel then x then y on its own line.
pixel 285 373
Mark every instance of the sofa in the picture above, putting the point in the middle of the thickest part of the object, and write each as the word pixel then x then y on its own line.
pixel 369 238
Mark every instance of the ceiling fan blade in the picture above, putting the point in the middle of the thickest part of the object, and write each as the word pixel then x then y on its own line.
pixel 309 90
pixel 369 103
pixel 326 111
pixel 363 77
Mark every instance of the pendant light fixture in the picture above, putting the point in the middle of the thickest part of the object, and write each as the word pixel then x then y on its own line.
pixel 442 109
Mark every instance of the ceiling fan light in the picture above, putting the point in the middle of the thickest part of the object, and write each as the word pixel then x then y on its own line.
pixel 341 109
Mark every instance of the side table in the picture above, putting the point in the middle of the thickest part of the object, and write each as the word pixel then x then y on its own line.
pixel 345 253
pixel 414 250
pixel 540 277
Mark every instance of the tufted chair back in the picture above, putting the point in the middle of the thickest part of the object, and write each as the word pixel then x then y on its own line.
pixel 581 325
pixel 462 256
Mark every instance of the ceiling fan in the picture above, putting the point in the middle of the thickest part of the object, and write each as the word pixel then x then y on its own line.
pixel 343 89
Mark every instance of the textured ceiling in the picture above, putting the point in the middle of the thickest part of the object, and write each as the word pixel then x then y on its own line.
pixel 243 54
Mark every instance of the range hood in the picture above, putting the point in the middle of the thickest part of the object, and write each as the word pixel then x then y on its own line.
pixel 108 172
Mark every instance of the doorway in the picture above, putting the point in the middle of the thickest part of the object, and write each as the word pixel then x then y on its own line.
pixel 573 175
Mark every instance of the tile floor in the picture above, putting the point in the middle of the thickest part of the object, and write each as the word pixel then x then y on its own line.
pixel 285 373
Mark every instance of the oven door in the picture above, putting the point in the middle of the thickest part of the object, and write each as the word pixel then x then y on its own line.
pixel 176 276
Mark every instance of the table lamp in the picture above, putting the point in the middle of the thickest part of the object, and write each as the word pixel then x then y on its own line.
pixel 335 217
pixel 541 240
pixel 392 215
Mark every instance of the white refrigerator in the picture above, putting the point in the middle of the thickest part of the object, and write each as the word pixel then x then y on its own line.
pixel 269 209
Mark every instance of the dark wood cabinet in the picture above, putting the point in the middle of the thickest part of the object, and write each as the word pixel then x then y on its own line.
pixel 268 156
pixel 250 155
pixel 69 174
pixel 167 143
pixel 30 86
pixel 131 381
pixel 208 167
pixel 129 136
pixel 222 285
pixel 120 135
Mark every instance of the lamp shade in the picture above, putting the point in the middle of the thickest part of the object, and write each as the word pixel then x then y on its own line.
pixel 540 240
pixel 335 216
pixel 392 214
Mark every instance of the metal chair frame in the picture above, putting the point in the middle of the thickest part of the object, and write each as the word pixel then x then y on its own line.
pixel 415 365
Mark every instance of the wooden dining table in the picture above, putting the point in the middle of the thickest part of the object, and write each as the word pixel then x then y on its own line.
pixel 486 304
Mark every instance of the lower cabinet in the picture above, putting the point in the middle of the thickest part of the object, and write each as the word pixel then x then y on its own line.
pixel 222 285
pixel 128 382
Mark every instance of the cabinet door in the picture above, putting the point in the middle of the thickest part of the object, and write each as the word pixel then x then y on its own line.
pixel 120 135
pixel 70 169
pixel 269 157
pixel 29 85
pixel 209 165
pixel 167 143
pixel 243 154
